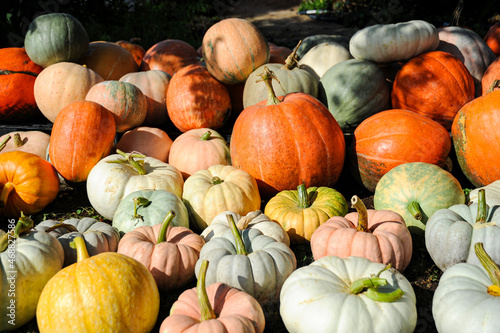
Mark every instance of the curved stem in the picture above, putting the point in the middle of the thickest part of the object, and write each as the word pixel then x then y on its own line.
pixel 139 202
pixel 81 250
pixel 130 160
pixel 243 223
pixel 162 235
pixel 4 194
pixel 384 297
pixel 206 136
pixel 481 206
pixel 267 76
pixel 206 310
pixel 23 225
pixel 238 242
pixel 4 142
pixel 18 142
pixel 415 211
pixel 69 227
pixel 357 203
pixel 216 180
pixel 491 268
pixel 291 61
pixel 303 196
pixel 371 284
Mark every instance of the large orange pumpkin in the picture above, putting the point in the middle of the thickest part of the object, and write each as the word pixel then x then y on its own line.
pixel 169 56
pixel 288 142
pixel 82 135
pixel 435 84
pixel 17 79
pixel 492 38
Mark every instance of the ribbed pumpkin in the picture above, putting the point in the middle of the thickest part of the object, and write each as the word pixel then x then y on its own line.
pixel 82 135
pixel 17 80
pixel 281 150
pixel 169 56
pixel 195 99
pixel 137 51
pixel 233 48
pixel 492 38
pixel 35 142
pixel 476 141
pixel 393 137
pixel 434 84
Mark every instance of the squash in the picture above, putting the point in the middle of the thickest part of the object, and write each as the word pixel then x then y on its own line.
pixel 435 84
pixel 118 175
pixel 198 149
pixel 148 207
pixel 322 57
pixel 169 55
pixel 28 183
pixel 492 38
pixel 385 43
pixel 55 37
pixel 300 212
pixel 492 193
pixel 474 140
pixel 149 141
pixel 82 134
pixel 233 48
pixel 106 292
pixel 378 235
pixel 216 308
pixel 353 90
pixel 416 191
pixel 17 79
pixel 328 296
pixel 61 84
pixel 35 142
pixel 28 260
pixel 209 192
pixel 169 252
pixel 137 51
pixel 394 137
pixel 98 236
pixel 280 150
pixel 127 103
pixel 248 260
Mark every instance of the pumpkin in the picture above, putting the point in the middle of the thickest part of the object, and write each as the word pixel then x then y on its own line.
pixel 109 60
pixel 154 85
pixel 55 37
pixel 491 191
pixel 256 220
pixel 195 99
pixel 137 51
pixel 416 190
pixel 35 142
pixel 491 74
pixel 198 149
pixel 322 57
pixel 385 43
pixel 233 48
pixel 28 183
pixel 169 252
pixel 393 137
pixel 17 79
pixel 149 207
pixel 300 212
pixel 451 233
pixel 464 285
pixel 248 260
pixel 28 260
pixel 105 292
pixel 280 150
pixel 127 103
pixel 216 308
pixel 98 236
pixel 149 141
pixel 492 38
pixel 435 84
pixel 209 192
pixel 169 55
pixel 325 296
pixel 278 54
pixel 353 90
pixel 310 41
pixel 82 135
pixel 378 235
pixel 117 175
pixel 474 140
pixel 61 84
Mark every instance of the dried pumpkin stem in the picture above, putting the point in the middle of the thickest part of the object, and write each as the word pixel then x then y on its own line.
pixel 23 225
pixel 18 142
pixel 243 223
pixel 491 268
pixel 4 194
pixel 267 76
pixel 360 207
pixel 303 196
pixel 78 243
pixel 162 235
pixel 415 211
pixel 240 246
pixel 4 142
pixel 206 136
pixel 67 226
pixel 481 206
pixel 206 310
pixel 291 61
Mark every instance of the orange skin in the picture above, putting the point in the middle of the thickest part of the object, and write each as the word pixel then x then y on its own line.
pixel 492 38
pixel 169 56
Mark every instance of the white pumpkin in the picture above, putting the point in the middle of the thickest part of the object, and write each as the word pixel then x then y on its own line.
pixel 492 192
pixel 322 57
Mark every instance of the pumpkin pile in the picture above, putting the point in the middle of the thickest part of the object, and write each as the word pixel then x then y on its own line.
pixel 212 169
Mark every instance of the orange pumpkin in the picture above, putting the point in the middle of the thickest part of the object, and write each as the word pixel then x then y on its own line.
pixel 82 135
pixel 195 99
pixel 491 74
pixel 169 56
pixel 278 54
pixel 492 38
pixel 17 80
pixel 35 142
pixel 28 183
pixel 434 84
pixel 149 141
pixel 134 48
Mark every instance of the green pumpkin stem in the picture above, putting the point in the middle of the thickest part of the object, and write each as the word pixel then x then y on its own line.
pixel 206 310
pixel 415 211
pixel 303 196
pixel 216 180
pixel 491 268
pixel 18 142
pixel 67 226
pixel 4 194
pixel 23 225
pixel 357 203
pixel 292 61
pixel 4 142
pixel 240 246
pixel 267 76
pixel 78 243
pixel 139 202
pixel 130 160
pixel 206 136
pixel 481 206
pixel 162 236
pixel 370 286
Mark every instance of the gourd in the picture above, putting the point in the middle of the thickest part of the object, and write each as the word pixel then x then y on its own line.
pixel 322 57
pixel 169 56
pixel 35 142
pixel 149 141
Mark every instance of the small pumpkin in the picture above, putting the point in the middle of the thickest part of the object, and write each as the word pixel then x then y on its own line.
pixel 35 142
pixel 149 141
pixel 169 55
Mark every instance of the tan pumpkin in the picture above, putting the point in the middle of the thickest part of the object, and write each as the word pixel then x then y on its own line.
pixel 35 142
pixel 149 141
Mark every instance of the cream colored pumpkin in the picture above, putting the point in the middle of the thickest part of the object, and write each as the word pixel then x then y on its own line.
pixel 322 57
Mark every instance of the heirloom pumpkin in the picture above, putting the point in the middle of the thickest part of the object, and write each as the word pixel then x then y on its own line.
pixel 169 55
pixel 322 57
pixel 137 51
pixel 278 54
pixel 35 142
pixel 489 82
pixel 149 141
pixel 310 41
pixel 492 38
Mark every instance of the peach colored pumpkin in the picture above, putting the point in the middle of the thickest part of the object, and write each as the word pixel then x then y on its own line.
pixel 149 141
pixel 35 142
pixel 108 59
pixel 198 149
pixel 61 84
pixel 169 55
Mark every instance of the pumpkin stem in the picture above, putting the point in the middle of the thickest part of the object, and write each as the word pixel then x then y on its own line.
pixel 18 142
pixel 206 310
pixel 494 85
pixel 216 180
pixel 303 196
pixel 23 225
pixel 139 202
pixel 481 206
pixel 206 136
pixel 240 246
pixel 130 160
pixel 4 194
pixel 267 76
pixel 371 284
pixel 491 268
pixel 70 227
pixel 162 236
pixel 415 211
pixel 4 142
pixel 247 219
pixel 357 203
pixel 81 250
pixel 292 61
